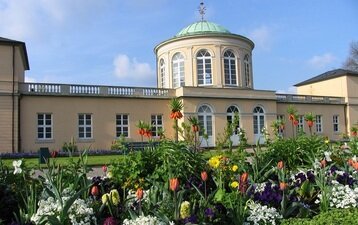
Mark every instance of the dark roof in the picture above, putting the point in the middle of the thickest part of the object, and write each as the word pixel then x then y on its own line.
pixel 328 75
pixel 22 45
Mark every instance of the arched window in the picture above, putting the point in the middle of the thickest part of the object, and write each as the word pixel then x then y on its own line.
pixel 230 68
pixel 247 71
pixel 205 120
pixel 178 70
pixel 258 121
pixel 232 115
pixel 203 59
pixel 162 73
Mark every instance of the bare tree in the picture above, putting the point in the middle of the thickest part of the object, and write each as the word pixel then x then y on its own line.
pixel 351 62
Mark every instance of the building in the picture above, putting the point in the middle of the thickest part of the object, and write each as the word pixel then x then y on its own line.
pixel 205 65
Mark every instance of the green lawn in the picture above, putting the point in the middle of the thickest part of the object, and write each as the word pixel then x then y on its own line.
pixel 92 160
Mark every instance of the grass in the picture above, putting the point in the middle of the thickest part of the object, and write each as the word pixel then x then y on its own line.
pixel 91 160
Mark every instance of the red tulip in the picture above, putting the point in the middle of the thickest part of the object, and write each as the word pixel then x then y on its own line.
pixel 204 176
pixel 54 154
pixel 295 122
pixel 174 184
pixel 280 165
pixel 283 186
pixel 139 193
pixel 244 177
pixel 95 190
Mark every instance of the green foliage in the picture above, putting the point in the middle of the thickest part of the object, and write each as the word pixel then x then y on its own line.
pixel 70 146
pixel 332 217
pixel 119 143
pixel 295 152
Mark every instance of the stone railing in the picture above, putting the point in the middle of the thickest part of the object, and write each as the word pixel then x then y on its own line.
pixel 92 90
pixel 309 99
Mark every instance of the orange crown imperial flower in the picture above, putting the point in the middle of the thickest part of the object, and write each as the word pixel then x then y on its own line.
pixel 174 184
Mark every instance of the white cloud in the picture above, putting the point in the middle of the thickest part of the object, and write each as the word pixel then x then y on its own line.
pixel 132 70
pixel 321 61
pixel 262 37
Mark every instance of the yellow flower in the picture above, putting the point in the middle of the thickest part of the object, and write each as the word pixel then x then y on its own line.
pixel 234 184
pixel 109 174
pixel 114 197
pixel 185 210
pixel 214 161
pixel 234 168
pixel 105 199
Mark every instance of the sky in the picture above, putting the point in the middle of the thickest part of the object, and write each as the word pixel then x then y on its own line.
pixel 111 42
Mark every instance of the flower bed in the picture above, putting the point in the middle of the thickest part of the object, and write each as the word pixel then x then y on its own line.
pixel 173 184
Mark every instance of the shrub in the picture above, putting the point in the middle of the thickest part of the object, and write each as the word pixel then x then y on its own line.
pixel 336 216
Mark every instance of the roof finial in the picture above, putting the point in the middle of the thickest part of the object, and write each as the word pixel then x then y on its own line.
pixel 202 9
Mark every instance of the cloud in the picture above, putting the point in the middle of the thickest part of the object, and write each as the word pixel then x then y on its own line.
pixel 262 37
pixel 29 19
pixel 321 61
pixel 128 69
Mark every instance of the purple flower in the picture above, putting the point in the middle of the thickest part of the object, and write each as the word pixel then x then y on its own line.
pixel 191 219
pixel 110 221
pixel 209 212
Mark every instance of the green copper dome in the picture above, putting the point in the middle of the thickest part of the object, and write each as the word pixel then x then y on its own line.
pixel 202 27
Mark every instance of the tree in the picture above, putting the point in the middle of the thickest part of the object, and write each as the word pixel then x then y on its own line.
pixel 351 62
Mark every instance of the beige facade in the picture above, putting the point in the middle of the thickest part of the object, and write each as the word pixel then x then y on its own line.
pixel 206 66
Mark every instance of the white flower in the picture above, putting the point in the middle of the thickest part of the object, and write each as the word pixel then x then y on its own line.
pixel 327 155
pixel 17 166
pixel 261 214
pixel 144 220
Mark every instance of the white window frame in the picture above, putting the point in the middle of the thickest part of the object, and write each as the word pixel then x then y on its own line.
pixel 301 123
pixel 319 125
pixel 203 64
pixel 178 70
pixel 122 128
pixel 335 123
pixel 157 124
pixel 162 72
pixel 247 71
pixel 44 126
pixel 85 126
pixel 230 68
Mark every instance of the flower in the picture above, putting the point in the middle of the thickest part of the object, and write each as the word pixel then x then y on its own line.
pixel 95 190
pixel 184 209
pixel 114 196
pixel 204 176
pixel 174 184
pixel 244 177
pixel 243 185
pixel 109 174
pixel 139 193
pixel 262 214
pixel 209 212
pixel 17 166
pixel 54 154
pixel 214 161
pixel 105 199
pixel 283 186
pixel 234 184
pixel 234 168
pixel 327 156
pixel 280 165
pixel 110 221
pixel 323 163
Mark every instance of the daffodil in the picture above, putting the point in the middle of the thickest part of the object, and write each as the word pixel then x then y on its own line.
pixel 214 161
pixel 234 184
pixel 234 168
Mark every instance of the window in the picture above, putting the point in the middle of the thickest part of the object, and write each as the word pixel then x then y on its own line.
pixel 247 71
pixel 205 120
pixel 178 70
pixel 301 123
pixel 230 68
pixel 157 125
pixel 203 59
pixel 231 112
pixel 258 120
pixel 162 73
pixel 44 126
pixel 319 124
pixel 122 125
pixel 85 126
pixel 336 123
